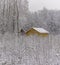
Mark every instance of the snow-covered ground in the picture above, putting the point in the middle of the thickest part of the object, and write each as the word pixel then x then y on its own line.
pixel 29 50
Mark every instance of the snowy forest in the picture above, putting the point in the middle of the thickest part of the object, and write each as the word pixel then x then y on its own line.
pixel 17 49
pixel 11 13
pixel 14 14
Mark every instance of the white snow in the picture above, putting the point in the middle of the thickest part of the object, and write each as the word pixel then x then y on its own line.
pixel 29 50
pixel 41 30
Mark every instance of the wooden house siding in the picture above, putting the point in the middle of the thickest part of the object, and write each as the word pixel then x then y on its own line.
pixel 33 31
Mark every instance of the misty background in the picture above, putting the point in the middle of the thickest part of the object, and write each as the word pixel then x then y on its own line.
pixel 35 5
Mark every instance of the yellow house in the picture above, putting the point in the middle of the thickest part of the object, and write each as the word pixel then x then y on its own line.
pixel 35 30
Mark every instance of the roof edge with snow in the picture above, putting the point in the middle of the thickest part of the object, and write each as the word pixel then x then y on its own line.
pixel 41 30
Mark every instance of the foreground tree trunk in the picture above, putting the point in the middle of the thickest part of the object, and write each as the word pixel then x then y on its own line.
pixel 11 13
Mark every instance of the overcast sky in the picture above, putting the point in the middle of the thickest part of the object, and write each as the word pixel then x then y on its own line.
pixel 35 5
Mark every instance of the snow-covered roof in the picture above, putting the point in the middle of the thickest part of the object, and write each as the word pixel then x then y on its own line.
pixel 41 30
pixel 27 27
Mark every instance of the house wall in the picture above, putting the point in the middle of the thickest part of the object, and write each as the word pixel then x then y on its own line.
pixel 33 32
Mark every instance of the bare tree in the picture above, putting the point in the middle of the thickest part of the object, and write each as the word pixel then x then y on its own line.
pixel 11 13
